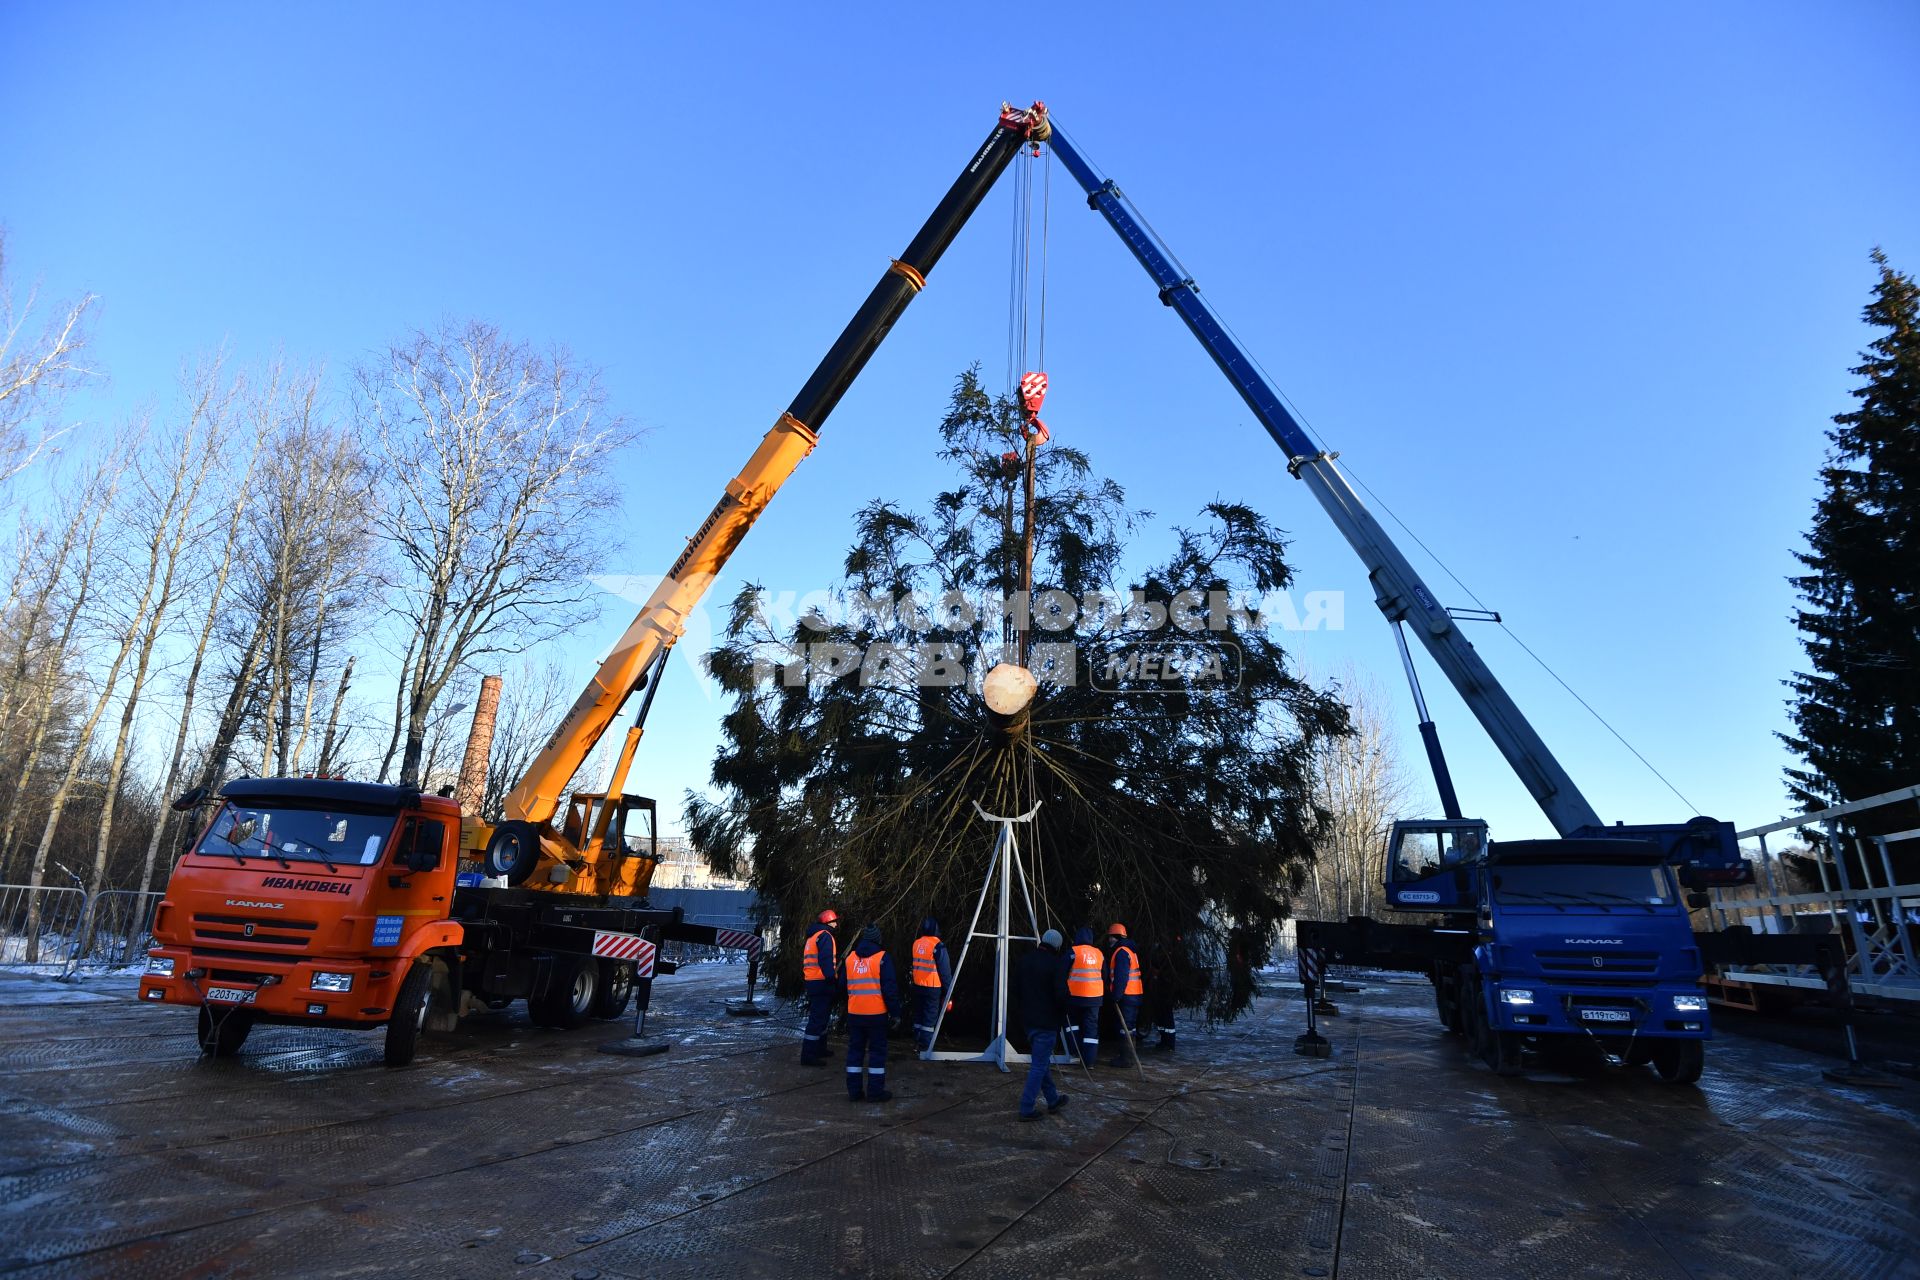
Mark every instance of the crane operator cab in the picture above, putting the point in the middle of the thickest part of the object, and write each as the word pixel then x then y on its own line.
pixel 1429 862
pixel 620 841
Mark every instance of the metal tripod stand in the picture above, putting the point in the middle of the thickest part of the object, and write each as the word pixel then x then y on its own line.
pixel 1006 868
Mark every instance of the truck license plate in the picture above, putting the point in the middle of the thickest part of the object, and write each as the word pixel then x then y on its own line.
pixel 1606 1015
pixel 231 995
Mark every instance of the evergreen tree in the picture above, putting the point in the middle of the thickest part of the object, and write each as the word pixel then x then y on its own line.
pixel 1180 805
pixel 1856 711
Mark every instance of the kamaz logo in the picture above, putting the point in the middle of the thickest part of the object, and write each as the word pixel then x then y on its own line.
pixel 1594 942
pixel 264 906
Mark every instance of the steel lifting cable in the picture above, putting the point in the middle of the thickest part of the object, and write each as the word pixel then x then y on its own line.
pixel 1018 268
pixel 1012 288
pixel 1308 427
pixel 1524 646
pixel 1046 211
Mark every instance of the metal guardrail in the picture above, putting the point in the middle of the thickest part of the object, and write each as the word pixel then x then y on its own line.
pixel 1860 898
pixel 58 929
pixel 39 924
pixel 118 930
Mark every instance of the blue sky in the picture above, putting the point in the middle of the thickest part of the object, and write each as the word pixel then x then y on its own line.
pixel 1573 289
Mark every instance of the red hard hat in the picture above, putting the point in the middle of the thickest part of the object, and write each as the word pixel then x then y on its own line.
pixel 1117 930
pixel 829 917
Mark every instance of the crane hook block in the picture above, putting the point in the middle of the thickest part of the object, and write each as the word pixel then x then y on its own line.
pixel 1033 393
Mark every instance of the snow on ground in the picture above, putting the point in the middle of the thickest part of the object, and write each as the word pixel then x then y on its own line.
pixel 25 988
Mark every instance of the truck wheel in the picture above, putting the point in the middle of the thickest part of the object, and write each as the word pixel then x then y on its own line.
pixel 1473 1018
pixel 512 851
pixel 615 990
pixel 1503 1052
pixel 1448 1008
pixel 567 1001
pixel 222 1033
pixel 409 1014
pixel 1680 1061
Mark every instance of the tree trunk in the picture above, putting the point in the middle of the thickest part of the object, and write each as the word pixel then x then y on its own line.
pixel 399 706
pixel 235 711
pixel 99 497
pixel 333 720
pixel 216 595
pixel 36 875
pixel 174 523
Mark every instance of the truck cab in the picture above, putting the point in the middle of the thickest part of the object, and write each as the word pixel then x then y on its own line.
pixel 306 901
pixel 1588 938
pixel 1430 861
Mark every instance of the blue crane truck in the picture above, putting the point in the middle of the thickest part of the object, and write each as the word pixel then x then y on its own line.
pixel 1583 938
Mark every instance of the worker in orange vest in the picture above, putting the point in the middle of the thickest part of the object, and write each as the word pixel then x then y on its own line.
pixel 873 997
pixel 1086 990
pixel 1129 990
pixel 819 965
pixel 932 978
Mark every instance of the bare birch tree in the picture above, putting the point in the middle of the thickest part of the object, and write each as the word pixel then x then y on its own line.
pixel 211 587
pixel 1361 782
pixel 497 482
pixel 105 506
pixel 38 364
pixel 305 543
pixel 167 518
pixel 533 698
pixel 66 583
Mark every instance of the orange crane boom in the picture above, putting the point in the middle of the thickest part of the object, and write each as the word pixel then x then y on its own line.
pixel 588 853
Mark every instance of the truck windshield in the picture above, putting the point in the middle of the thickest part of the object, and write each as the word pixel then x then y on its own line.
pixel 286 833
pixel 1421 853
pixel 1582 885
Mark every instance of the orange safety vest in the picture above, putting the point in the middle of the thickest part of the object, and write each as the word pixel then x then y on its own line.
pixel 926 970
pixel 810 962
pixel 864 995
pixel 1135 987
pixel 1083 980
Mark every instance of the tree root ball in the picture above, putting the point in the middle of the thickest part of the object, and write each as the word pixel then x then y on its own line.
pixel 1008 692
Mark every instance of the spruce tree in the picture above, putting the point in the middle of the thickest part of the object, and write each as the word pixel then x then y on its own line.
pixel 1182 806
pixel 1856 710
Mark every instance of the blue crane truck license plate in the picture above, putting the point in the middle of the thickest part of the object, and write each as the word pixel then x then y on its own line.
pixel 231 995
pixel 1606 1015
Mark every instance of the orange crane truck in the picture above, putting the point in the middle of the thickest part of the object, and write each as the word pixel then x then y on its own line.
pixel 323 902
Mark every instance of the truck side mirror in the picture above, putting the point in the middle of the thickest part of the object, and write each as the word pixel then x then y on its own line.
pixel 421 850
pixel 1698 901
pixel 187 801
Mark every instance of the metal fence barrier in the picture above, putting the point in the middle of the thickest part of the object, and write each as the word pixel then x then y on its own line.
pixel 38 924
pixel 55 929
pixel 117 930
pixel 1859 898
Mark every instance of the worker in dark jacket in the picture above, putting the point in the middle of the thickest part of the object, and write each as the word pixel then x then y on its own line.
pixel 873 997
pixel 819 965
pixel 1086 989
pixel 1160 994
pixel 1129 990
pixel 932 979
pixel 1042 990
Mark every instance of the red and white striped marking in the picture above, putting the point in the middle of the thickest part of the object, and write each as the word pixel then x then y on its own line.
pixel 626 946
pixel 620 946
pixel 739 939
pixel 1311 964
